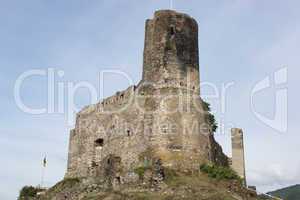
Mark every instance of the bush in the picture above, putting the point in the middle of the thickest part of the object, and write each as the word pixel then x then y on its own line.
pixel 140 171
pixel 206 106
pixel 210 117
pixel 28 192
pixel 219 172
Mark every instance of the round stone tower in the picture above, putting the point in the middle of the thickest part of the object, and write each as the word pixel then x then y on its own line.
pixel 171 50
pixel 179 131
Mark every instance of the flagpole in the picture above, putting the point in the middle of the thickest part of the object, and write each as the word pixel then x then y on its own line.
pixel 43 171
pixel 42 178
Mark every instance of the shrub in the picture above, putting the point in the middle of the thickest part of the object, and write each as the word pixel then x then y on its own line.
pixel 219 172
pixel 210 117
pixel 140 171
pixel 170 174
pixel 28 192
pixel 212 122
pixel 206 106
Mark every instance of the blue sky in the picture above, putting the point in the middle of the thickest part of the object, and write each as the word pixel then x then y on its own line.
pixel 240 41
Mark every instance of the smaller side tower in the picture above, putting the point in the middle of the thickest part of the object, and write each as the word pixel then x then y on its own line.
pixel 238 156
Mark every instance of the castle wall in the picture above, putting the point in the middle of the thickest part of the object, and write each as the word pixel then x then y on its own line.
pixel 160 118
pixel 112 127
pixel 177 137
pixel 72 154
pixel 170 121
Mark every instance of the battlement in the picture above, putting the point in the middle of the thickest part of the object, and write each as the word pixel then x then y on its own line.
pixel 119 99
pixel 122 98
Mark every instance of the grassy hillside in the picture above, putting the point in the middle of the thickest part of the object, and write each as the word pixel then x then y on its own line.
pixel 289 193
pixel 217 184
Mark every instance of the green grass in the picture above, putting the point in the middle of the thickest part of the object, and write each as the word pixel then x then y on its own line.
pixel 220 173
pixel 65 183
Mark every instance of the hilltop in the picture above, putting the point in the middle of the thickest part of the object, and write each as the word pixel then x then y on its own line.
pixel 175 186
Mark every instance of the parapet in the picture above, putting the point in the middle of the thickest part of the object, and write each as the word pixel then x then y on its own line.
pixel 118 99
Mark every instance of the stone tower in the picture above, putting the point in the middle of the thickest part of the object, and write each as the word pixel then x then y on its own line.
pixel 180 134
pixel 238 158
pixel 160 120
pixel 171 49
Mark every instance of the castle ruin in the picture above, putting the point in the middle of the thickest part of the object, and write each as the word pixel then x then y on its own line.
pixel 162 119
pixel 238 155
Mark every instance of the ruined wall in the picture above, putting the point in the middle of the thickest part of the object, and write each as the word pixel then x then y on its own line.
pixel 72 154
pixel 112 127
pixel 163 114
pixel 238 159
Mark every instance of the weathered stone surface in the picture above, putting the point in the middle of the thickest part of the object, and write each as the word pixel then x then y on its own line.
pixel 238 159
pixel 164 112
pixel 178 186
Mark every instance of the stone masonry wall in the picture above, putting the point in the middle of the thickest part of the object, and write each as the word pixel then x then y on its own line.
pixel 238 159
pixel 163 114
pixel 171 50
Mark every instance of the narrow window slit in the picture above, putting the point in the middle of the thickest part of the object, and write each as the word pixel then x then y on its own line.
pixel 172 30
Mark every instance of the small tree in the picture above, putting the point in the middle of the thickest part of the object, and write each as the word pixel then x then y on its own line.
pixel 28 192
pixel 210 117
